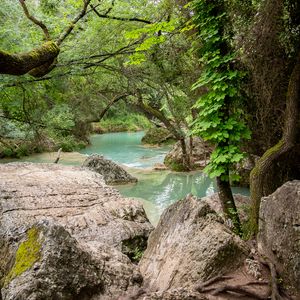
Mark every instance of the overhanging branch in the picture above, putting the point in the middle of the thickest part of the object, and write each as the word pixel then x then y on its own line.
pixel 106 16
pixel 69 29
pixel 19 64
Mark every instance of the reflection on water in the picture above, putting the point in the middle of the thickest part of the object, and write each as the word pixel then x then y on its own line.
pixel 163 188
pixel 156 189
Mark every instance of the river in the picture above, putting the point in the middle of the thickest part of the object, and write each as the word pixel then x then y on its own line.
pixel 156 189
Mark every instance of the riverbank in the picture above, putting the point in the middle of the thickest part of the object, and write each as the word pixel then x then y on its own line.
pixel 156 188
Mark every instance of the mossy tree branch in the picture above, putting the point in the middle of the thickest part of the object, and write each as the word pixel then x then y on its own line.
pixel 175 131
pixel 19 64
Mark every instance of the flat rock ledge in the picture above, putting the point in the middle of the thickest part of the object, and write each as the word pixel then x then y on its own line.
pixel 64 234
pixel 111 172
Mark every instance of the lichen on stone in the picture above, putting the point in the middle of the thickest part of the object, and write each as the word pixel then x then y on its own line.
pixel 27 255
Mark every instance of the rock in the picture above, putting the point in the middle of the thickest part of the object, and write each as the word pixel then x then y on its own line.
pixel 49 264
pixel 159 167
pixel 242 203
pixel 157 136
pixel 95 220
pixel 244 169
pixel 174 294
pixel 190 243
pixel 279 232
pixel 112 173
pixel 200 155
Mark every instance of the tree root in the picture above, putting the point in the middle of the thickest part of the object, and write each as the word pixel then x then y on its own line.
pixel 200 286
pixel 276 292
pixel 241 290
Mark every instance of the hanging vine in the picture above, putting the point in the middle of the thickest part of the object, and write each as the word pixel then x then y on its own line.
pixel 220 118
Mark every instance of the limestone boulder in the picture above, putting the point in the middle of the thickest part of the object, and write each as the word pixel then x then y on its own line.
pixel 157 136
pixel 279 232
pixel 47 263
pixel 200 155
pixel 75 204
pixel 111 172
pixel 190 244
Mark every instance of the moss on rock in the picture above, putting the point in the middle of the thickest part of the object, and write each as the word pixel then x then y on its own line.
pixel 27 255
pixel 175 165
pixel 157 136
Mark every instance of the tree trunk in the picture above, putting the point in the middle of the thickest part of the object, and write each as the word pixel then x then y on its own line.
pixel 178 135
pixel 185 155
pixel 228 205
pixel 258 176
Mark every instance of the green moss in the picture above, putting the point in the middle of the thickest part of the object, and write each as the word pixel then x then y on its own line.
pixel 157 136
pixel 134 248
pixel 27 254
pixel 175 166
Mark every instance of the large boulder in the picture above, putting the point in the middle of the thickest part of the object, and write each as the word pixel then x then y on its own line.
pixel 49 264
pixel 200 155
pixel 96 224
pixel 279 232
pixel 157 136
pixel 190 244
pixel 111 172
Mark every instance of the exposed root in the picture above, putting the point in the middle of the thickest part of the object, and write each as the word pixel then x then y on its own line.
pixel 200 286
pixel 213 287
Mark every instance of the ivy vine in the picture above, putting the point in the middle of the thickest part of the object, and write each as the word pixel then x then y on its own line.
pixel 220 119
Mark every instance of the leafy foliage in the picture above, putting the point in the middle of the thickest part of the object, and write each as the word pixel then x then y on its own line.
pixel 220 119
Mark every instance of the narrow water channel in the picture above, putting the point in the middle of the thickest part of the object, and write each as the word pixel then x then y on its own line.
pixel 156 189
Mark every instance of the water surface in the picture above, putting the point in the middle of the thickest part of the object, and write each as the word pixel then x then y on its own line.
pixel 156 189
pixel 126 148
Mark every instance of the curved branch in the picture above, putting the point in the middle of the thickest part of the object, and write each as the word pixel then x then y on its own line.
pixel 34 20
pixel 73 23
pixel 118 18
pixel 110 104
pixel 287 142
pixel 19 64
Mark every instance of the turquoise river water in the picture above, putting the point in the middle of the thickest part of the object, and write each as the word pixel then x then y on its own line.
pixel 156 189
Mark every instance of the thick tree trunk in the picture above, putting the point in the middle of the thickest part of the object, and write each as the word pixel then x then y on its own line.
pixel 258 176
pixel 185 155
pixel 19 64
pixel 228 204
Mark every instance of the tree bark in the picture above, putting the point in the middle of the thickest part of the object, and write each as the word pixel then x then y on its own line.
pixel 228 204
pixel 19 64
pixel 258 182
